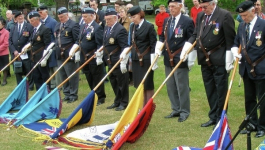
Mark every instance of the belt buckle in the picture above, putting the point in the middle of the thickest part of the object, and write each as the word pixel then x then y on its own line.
pixel 252 70
pixel 207 59
pixel 141 59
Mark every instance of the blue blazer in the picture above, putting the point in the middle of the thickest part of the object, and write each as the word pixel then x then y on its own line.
pixel 174 43
pixel 253 50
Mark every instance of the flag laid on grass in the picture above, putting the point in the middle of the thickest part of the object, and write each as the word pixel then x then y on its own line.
pixel 220 137
pixel 261 146
pixel 47 108
pixel 186 148
pixel 83 114
pixel 16 99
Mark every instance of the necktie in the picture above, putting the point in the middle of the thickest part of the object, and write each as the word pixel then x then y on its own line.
pixel 171 28
pixel 85 28
pixel 108 31
pixel 207 19
pixel 19 28
pixel 247 32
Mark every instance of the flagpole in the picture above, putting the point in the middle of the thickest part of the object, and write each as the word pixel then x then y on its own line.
pixel 151 66
pixel 78 69
pixel 108 73
pixel 69 57
pixel 174 69
pixel 231 80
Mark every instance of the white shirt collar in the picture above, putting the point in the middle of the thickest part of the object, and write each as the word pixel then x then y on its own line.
pixel 140 24
pixel 113 26
pixel 37 28
pixel 45 19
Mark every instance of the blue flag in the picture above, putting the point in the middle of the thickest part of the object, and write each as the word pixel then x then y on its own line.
pixel 46 108
pixel 16 99
pixel 261 146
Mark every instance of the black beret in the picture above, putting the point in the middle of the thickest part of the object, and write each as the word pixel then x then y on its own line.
pixel 244 6
pixel 18 14
pixel 204 1
pixel 43 7
pixel 110 11
pixel 254 1
pixel 179 1
pixel 134 10
pixel 88 11
pixel 33 14
pixel 14 12
pixel 62 10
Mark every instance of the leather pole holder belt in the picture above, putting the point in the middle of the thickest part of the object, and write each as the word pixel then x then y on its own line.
pixel 64 48
pixel 171 55
pixel 208 53
pixel 35 52
pixel 252 71
pixel 140 56
pixel 112 52
pixel 87 54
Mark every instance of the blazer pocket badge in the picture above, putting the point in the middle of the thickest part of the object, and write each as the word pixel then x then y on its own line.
pixel 111 40
pixel 66 33
pixel 38 38
pixel 258 37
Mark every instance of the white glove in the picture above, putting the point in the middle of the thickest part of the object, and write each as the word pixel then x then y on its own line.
pixel 185 48
pixel 25 48
pixel 229 61
pixel 50 46
pixel 99 54
pixel 77 56
pixel 125 56
pixel 43 63
pixel 158 48
pixel 73 49
pixel 191 58
pixel 99 61
pixel 123 67
pixel 155 66
pixel 234 50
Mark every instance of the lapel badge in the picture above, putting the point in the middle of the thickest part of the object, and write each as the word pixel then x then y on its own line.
pixel 258 37
pixel 66 33
pixel 38 38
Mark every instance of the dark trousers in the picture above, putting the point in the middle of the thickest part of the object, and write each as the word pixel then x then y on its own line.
pixel 26 65
pixel 120 86
pixel 215 79
pixel 254 89
pixel 94 74
pixel 40 75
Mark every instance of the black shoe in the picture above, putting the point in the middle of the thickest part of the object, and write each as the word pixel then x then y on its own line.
pixel 4 83
pixel 182 118
pixel 66 99
pixel 112 106
pixel 259 134
pixel 120 108
pixel 72 100
pixel 99 103
pixel 209 123
pixel 172 115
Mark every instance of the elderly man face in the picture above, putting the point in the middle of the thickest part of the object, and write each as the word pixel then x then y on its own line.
pixel 88 18
pixel 162 9
pixel 207 7
pixel 174 8
pixel 43 14
pixel 9 15
pixel 34 21
pixel 63 17
pixel 20 18
pixel 110 20
pixel 248 15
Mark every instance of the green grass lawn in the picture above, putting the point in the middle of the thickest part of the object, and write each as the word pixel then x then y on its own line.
pixel 162 133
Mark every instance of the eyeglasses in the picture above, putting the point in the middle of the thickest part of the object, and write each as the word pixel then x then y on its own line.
pixel 256 4
pixel 205 7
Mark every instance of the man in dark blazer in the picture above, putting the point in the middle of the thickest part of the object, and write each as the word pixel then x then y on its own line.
pixel 251 37
pixel 115 40
pixel 91 39
pixel 94 4
pixel 40 39
pixel 176 30
pixel 66 36
pixel 18 38
pixel 50 23
pixel 215 32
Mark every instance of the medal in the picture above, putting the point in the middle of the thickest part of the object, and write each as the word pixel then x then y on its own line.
pixel 216 30
pixel 111 40
pixel 88 36
pixel 258 42
pixel 258 37
pixel 66 33
pixel 38 38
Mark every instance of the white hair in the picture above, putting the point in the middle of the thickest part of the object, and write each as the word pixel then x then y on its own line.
pixel 250 9
pixel 214 1
pixel 9 11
